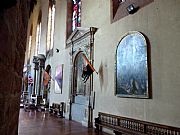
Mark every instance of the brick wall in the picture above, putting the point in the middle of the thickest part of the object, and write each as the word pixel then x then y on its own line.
pixel 13 29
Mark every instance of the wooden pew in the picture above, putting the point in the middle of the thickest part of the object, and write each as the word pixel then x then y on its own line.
pixel 123 125
pixel 57 109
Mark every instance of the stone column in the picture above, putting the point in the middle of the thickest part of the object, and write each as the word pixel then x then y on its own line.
pixel 14 15
pixel 36 68
pixel 25 92
pixel 42 59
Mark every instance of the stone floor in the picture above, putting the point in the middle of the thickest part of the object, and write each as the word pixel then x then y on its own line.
pixel 41 123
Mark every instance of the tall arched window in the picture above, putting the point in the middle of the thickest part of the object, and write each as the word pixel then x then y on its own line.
pixel 38 34
pixel 51 21
pixel 30 43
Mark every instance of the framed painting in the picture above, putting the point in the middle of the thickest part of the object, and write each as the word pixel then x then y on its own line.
pixel 132 66
pixel 59 79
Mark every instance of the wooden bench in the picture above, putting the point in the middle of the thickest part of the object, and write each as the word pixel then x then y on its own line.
pixel 57 109
pixel 122 125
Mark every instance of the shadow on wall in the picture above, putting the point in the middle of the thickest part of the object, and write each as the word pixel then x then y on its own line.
pixel 103 75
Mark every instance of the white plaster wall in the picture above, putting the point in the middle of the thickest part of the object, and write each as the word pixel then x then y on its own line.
pixel 59 42
pixel 160 22
pixel 44 9
pixel 33 21
pixel 63 56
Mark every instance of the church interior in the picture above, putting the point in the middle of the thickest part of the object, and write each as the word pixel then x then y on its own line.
pixel 106 66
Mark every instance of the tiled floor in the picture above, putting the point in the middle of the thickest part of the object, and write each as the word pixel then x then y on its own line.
pixel 41 123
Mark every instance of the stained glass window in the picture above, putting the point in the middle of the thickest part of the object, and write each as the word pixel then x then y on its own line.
pixel 76 17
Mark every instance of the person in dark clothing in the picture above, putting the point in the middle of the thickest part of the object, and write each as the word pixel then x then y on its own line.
pixel 87 71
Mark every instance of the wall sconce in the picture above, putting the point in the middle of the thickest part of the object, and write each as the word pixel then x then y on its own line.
pixel 132 9
pixel 57 50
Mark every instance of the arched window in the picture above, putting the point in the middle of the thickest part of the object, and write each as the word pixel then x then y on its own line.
pixel 38 34
pixel 51 22
pixel 30 43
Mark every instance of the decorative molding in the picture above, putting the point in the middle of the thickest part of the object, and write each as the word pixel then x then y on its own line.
pixel 81 41
pixel 80 33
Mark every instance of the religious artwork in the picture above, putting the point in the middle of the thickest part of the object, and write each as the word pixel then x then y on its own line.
pixel 132 66
pixel 82 72
pixel 80 63
pixel 59 79
pixel 88 69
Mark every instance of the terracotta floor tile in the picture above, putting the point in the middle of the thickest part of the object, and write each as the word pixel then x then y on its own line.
pixel 41 123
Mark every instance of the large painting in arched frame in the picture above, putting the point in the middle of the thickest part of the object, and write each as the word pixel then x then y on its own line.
pixel 132 66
